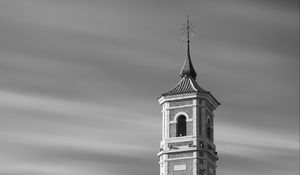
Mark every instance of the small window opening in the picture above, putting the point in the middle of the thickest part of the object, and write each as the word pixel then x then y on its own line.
pixel 208 129
pixel 181 126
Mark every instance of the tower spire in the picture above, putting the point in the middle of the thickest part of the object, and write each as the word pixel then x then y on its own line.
pixel 188 68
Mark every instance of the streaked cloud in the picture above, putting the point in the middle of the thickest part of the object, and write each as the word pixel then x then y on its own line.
pixel 79 80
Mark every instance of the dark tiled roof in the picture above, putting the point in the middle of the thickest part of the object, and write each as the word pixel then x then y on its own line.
pixel 186 85
pixel 188 68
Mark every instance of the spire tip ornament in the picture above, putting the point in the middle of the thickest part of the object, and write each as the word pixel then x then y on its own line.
pixel 188 68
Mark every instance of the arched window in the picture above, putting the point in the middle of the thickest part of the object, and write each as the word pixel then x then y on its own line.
pixel 181 126
pixel 208 129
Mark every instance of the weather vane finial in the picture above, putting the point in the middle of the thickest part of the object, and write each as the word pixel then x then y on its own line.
pixel 188 68
pixel 187 29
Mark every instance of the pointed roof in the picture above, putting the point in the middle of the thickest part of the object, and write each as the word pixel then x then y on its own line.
pixel 186 85
pixel 188 82
pixel 188 68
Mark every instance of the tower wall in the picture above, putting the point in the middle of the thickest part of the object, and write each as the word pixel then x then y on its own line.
pixel 193 153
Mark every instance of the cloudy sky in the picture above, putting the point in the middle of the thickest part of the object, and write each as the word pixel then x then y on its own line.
pixel 79 82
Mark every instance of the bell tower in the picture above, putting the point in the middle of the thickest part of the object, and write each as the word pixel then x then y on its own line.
pixel 187 146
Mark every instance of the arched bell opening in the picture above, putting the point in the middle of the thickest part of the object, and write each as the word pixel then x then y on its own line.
pixel 181 126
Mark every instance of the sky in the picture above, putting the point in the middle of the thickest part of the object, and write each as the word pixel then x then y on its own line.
pixel 79 80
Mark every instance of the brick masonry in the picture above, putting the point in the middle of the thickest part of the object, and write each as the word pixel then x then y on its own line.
pixel 180 143
pixel 188 163
pixel 180 155
pixel 181 103
pixel 187 110
pixel 189 129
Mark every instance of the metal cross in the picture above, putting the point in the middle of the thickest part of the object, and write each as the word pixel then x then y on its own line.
pixel 188 29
